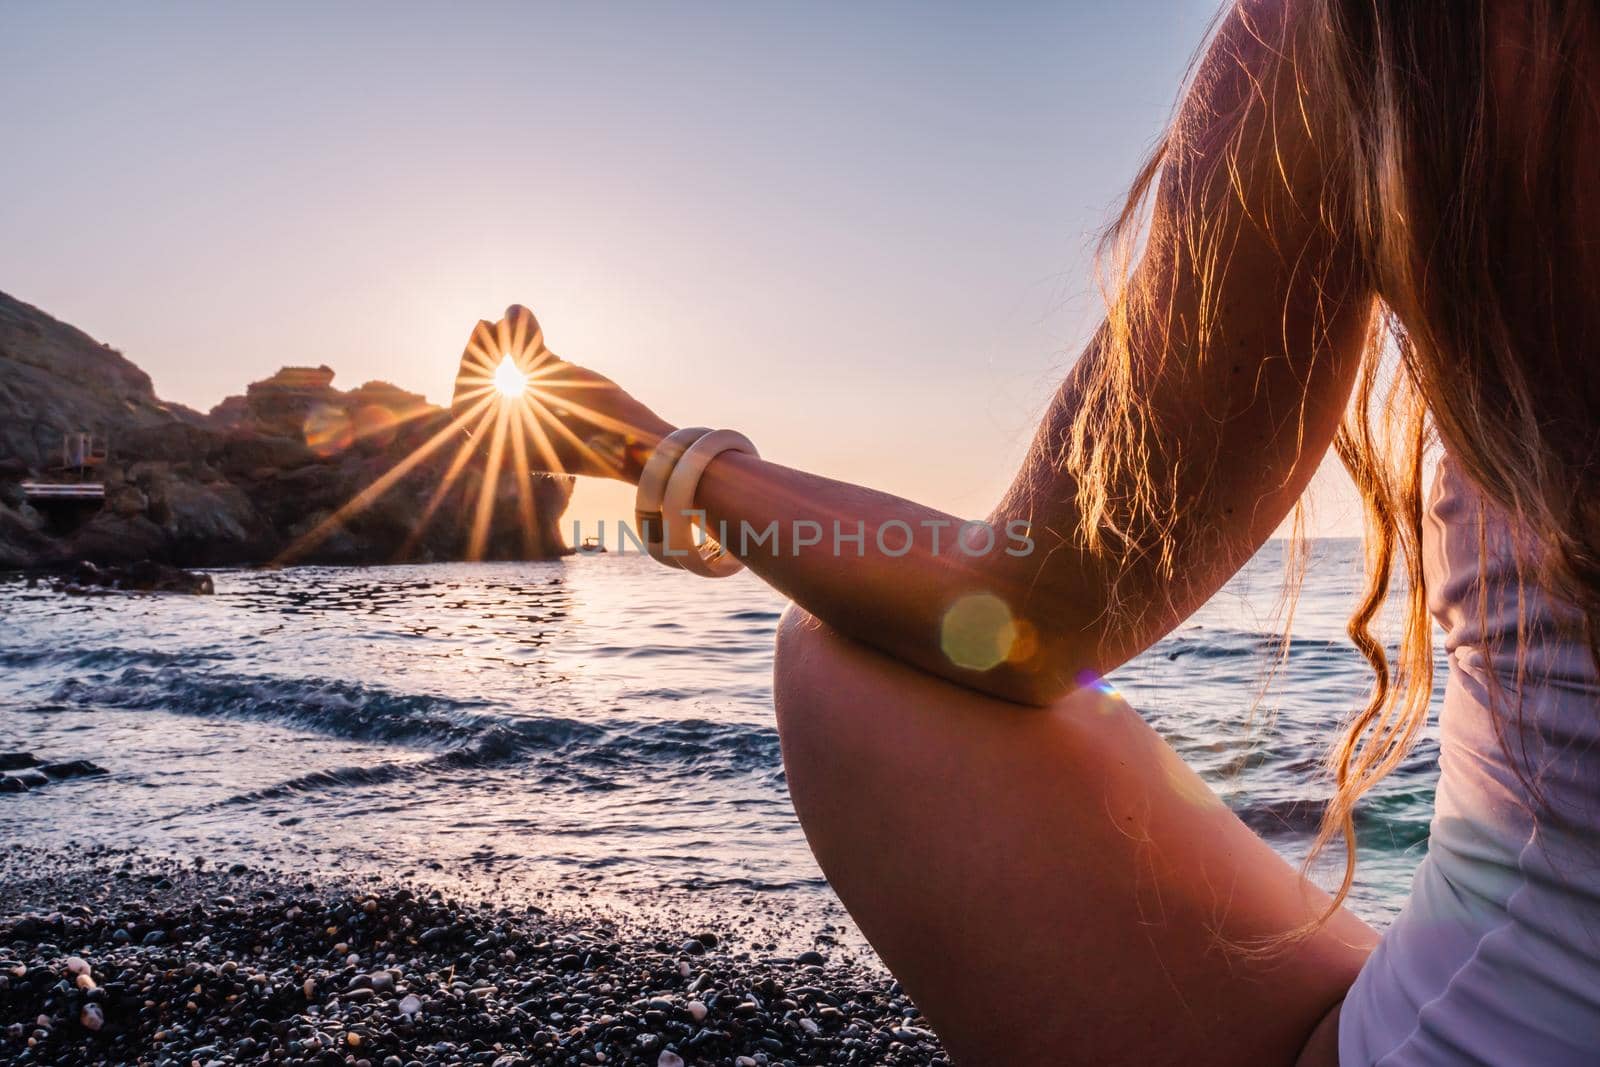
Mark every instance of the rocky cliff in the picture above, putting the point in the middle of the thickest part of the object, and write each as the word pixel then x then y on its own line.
pixel 55 378
pixel 247 482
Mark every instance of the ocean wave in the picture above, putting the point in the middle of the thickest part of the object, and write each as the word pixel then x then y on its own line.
pixel 1220 643
pixel 460 733
pixel 338 708
pixel 93 659
pixel 754 615
pixel 643 754
pixel 1390 821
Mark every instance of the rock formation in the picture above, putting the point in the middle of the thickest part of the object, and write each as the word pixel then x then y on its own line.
pixel 244 484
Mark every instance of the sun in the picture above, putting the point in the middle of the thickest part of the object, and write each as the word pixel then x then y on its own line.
pixel 509 381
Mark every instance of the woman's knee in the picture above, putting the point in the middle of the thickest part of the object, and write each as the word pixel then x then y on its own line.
pixel 836 725
pixel 799 635
pixel 806 686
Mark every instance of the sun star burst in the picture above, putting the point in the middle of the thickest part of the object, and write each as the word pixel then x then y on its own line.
pixel 524 434
pixel 509 381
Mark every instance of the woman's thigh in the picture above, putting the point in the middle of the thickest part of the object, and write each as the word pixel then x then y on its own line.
pixel 1050 885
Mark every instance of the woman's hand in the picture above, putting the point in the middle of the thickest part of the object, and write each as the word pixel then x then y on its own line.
pixel 514 394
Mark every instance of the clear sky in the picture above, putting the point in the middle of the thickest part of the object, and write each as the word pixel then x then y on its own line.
pixel 859 233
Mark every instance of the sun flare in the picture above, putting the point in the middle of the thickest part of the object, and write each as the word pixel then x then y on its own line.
pixel 509 381
pixel 513 416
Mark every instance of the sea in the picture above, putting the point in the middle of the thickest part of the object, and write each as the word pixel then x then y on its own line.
pixel 595 728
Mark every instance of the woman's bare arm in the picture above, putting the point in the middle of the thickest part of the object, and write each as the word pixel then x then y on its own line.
pixel 1242 336
pixel 1245 410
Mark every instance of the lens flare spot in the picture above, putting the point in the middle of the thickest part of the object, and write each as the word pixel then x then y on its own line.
pixel 1094 682
pixel 328 430
pixel 1090 680
pixel 375 425
pixel 509 381
pixel 1024 643
pixel 978 632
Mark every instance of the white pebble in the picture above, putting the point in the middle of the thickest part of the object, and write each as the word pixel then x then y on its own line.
pixel 697 1010
pixel 668 1058
pixel 410 1004
pixel 92 1017
pixel 77 965
pixel 809 1025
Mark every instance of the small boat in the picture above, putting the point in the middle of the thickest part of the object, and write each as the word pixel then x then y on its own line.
pixel 591 545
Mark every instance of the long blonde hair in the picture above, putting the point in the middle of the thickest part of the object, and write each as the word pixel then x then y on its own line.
pixel 1461 130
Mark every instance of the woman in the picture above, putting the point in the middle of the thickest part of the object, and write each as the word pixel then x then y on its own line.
pixel 1378 212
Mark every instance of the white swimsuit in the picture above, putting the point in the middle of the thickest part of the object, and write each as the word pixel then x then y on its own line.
pixel 1495 960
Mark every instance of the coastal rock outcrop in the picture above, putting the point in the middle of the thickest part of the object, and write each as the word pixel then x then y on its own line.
pixel 146 576
pixel 265 476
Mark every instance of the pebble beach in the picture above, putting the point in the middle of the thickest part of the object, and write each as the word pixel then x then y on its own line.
pixel 111 956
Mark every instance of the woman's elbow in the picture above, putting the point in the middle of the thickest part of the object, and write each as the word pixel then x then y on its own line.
pixel 1027 657
pixel 1032 645
pixel 1027 684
